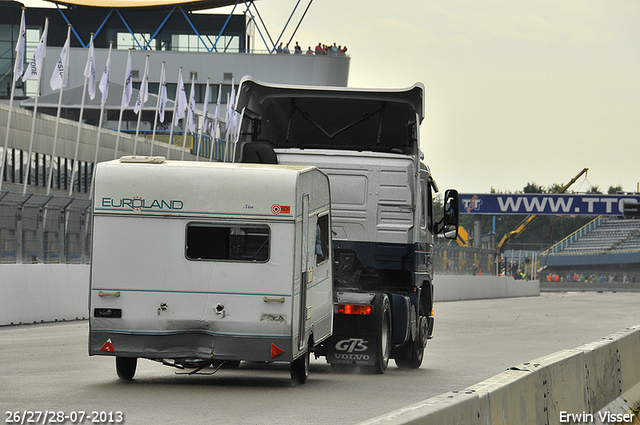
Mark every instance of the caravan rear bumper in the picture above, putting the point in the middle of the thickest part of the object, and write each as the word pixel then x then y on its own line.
pixel 188 345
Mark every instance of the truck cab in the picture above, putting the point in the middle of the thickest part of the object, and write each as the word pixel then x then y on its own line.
pixel 367 142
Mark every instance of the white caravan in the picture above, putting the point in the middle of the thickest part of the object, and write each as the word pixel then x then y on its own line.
pixel 197 264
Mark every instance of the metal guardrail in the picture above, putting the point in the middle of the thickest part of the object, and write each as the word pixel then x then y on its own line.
pixel 209 147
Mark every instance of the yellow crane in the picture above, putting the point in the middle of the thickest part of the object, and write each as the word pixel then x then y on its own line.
pixel 527 221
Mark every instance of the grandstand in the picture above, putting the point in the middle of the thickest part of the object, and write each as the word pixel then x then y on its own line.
pixel 607 247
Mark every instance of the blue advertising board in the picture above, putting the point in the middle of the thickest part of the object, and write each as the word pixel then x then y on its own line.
pixel 545 204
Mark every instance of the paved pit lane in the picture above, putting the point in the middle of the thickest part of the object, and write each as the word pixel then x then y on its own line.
pixel 46 367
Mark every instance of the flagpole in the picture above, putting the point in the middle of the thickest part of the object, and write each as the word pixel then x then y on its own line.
pixel 235 136
pixel 155 120
pixel 127 78
pixel 229 118
pixel 234 121
pixel 215 122
pixel 55 133
pixel 18 66
pixel 84 92
pixel 38 67
pixel 191 116
pixel 226 133
pixel 102 104
pixel 175 112
pixel 142 94
pixel 205 112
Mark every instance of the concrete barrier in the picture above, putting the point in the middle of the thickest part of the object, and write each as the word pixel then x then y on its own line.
pixel 596 383
pixel 35 293
pixel 457 288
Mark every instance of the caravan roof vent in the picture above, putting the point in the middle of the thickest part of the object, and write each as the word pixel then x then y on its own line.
pixel 143 159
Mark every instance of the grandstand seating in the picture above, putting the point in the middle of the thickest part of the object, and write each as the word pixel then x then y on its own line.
pixel 610 235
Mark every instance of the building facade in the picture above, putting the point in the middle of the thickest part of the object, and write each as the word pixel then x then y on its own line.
pixel 50 157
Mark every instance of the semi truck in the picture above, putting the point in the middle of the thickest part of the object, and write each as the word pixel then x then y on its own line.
pixel 209 264
pixel 382 196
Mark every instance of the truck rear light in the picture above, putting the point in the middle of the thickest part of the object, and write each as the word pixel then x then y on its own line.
pixel 354 309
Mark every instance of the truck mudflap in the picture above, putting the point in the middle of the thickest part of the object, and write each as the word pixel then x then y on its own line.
pixel 356 341
pixel 360 351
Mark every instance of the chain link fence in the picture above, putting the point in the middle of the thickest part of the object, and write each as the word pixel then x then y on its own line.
pixel 44 229
pixel 456 259
pixel 49 229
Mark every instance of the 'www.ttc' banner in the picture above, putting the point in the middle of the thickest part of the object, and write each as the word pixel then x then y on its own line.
pixel 537 203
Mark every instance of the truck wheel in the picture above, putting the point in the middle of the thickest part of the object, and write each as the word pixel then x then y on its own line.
pixel 383 346
pixel 411 355
pixel 300 367
pixel 126 367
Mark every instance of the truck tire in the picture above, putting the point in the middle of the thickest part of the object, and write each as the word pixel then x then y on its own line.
pixel 300 366
pixel 411 355
pixel 126 367
pixel 383 345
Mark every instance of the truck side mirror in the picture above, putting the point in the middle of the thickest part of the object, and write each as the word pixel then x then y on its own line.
pixel 449 226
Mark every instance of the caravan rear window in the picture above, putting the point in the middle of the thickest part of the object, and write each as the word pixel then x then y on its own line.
pixel 233 243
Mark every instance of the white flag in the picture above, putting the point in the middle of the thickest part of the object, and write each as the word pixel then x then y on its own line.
pixel 34 69
pixel 106 76
pixel 143 93
pixel 90 71
pixel 232 115
pixel 181 101
pixel 128 84
pixel 216 116
pixel 192 108
pixel 20 45
pixel 205 110
pixel 60 75
pixel 163 95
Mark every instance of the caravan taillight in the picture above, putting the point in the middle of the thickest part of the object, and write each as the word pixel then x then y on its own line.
pixel 354 309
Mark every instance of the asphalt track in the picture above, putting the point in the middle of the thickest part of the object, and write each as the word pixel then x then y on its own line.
pixel 46 367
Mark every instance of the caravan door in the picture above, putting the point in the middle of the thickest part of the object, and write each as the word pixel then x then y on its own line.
pixel 305 277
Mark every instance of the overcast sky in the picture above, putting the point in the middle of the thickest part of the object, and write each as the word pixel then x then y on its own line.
pixel 516 91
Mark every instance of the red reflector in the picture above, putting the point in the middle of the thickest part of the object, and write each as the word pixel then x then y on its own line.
pixel 354 309
pixel 108 346
pixel 276 351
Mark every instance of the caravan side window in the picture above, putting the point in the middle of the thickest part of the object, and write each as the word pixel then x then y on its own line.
pixel 322 239
pixel 232 243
